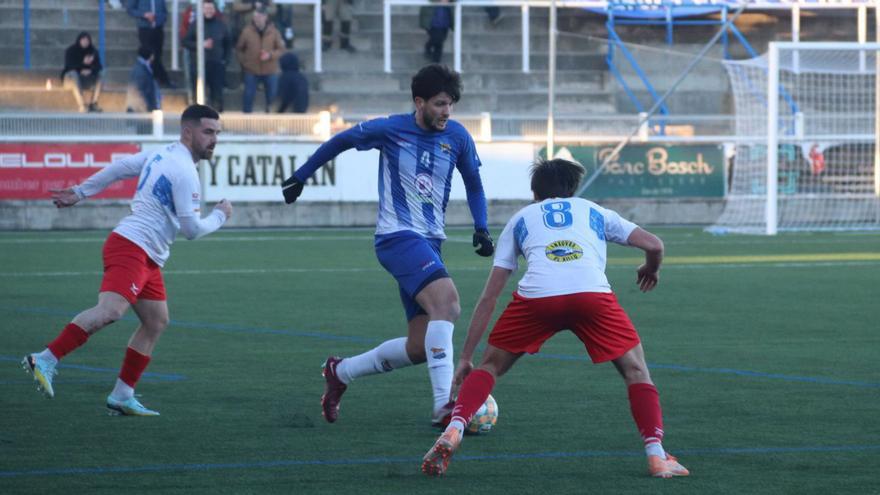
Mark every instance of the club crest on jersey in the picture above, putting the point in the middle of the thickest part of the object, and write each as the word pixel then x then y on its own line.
pixel 562 251
pixel 425 185
pixel 446 147
pixel 438 352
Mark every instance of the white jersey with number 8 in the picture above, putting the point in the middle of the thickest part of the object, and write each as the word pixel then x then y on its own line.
pixel 564 243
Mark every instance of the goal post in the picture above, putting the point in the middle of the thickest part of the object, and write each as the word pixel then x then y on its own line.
pixel 806 157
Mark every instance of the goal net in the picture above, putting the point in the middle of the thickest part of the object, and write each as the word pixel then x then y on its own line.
pixel 806 126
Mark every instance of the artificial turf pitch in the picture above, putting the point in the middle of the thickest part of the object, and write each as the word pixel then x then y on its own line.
pixel 764 351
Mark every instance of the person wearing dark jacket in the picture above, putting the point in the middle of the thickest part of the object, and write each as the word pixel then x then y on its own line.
pixel 293 87
pixel 151 16
pixel 437 21
pixel 82 71
pixel 143 93
pixel 217 51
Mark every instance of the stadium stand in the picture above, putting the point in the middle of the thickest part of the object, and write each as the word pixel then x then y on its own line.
pixel 356 84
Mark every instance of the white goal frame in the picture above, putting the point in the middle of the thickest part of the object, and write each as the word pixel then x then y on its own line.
pixel 773 137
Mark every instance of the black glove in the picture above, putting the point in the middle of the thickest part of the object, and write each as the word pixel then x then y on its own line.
pixel 291 188
pixel 484 240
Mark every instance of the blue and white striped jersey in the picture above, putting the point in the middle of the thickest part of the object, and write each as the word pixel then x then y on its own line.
pixel 415 171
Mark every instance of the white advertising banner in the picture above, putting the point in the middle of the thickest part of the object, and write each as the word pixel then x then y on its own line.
pixel 254 172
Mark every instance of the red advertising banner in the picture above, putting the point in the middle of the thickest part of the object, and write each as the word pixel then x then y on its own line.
pixel 30 170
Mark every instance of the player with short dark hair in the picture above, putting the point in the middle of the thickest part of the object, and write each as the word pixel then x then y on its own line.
pixel 419 152
pixel 167 200
pixel 563 240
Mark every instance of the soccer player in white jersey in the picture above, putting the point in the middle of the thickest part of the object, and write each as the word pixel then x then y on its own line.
pixel 167 200
pixel 563 240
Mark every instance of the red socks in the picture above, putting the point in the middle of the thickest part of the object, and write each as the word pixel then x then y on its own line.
pixel 73 336
pixel 133 366
pixel 69 339
pixel 473 394
pixel 644 401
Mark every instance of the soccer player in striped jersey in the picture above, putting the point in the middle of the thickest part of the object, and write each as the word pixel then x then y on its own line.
pixel 419 152
pixel 563 240
pixel 166 201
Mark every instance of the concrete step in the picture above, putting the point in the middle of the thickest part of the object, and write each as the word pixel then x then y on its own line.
pixel 124 35
pixel 412 60
pixel 344 103
pixel 63 16
pixel 472 102
pixel 482 41
pixel 536 125
pixel 341 81
pixel 707 101
pixel 114 77
pixel 60 37
pixel 113 99
pixel 502 79
pixel 63 100
pixel 79 4
pixel 473 19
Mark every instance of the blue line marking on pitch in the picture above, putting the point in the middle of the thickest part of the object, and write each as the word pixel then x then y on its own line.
pixel 414 460
pixel 563 357
pixel 729 371
pixel 777 376
pixel 217 326
pixel 147 376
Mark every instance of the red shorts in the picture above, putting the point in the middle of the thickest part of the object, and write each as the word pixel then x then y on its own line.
pixel 595 317
pixel 129 272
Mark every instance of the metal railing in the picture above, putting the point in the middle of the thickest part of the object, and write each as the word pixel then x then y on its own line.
pixel 794 7
pixel 156 126
pixel 484 127
pixel 479 126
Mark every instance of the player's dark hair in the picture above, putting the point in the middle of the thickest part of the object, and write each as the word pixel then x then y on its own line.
pixel 557 178
pixel 195 113
pixel 434 79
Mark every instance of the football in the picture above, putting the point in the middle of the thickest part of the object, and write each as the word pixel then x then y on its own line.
pixel 485 418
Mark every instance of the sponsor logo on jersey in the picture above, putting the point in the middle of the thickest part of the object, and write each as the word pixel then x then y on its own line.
pixel 134 289
pixel 446 147
pixel 438 352
pixel 562 251
pixel 428 265
pixel 425 185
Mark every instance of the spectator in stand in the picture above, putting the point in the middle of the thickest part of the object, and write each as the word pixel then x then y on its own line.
pixel 187 22
pixel 494 14
pixel 437 21
pixel 217 50
pixel 258 49
pixel 143 93
pixel 151 16
pixel 284 23
pixel 293 87
pixel 243 11
pixel 82 71
pixel 331 10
